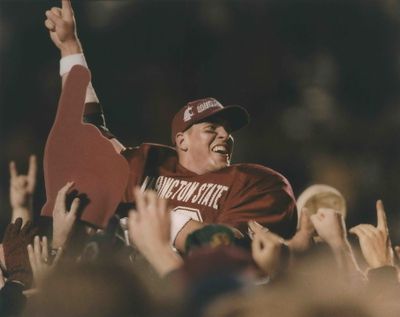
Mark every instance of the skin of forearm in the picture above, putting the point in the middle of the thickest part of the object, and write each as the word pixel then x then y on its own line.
pixel 58 243
pixel 73 47
pixel 60 239
pixel 164 259
pixel 345 258
pixel 22 212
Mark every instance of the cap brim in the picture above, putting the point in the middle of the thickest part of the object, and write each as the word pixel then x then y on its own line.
pixel 236 116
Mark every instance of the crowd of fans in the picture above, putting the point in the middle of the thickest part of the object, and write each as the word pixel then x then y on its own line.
pixel 130 268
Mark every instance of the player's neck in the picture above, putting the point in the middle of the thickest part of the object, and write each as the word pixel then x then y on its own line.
pixel 187 162
pixel 188 165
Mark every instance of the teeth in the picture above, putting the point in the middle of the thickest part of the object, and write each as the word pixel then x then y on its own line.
pixel 220 149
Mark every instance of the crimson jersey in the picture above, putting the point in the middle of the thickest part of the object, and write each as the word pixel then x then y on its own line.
pixel 233 195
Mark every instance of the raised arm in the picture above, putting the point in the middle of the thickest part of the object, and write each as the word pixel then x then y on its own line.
pixel 330 226
pixel 62 29
pixel 22 187
pixel 63 32
pixel 375 241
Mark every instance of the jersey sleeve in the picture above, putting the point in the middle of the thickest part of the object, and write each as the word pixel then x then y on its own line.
pixel 146 159
pixel 266 198
pixel 94 115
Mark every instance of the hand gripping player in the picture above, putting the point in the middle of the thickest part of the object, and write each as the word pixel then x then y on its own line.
pixel 195 174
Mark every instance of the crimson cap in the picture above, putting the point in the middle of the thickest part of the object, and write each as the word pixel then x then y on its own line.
pixel 201 109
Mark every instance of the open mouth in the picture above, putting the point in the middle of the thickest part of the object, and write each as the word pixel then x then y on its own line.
pixel 221 149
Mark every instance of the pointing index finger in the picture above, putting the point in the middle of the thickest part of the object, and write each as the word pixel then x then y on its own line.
pixel 67 11
pixel 381 216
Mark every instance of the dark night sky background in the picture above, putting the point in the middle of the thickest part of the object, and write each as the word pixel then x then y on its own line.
pixel 320 79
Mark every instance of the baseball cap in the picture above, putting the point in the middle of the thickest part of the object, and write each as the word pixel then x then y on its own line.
pixel 201 109
pixel 212 235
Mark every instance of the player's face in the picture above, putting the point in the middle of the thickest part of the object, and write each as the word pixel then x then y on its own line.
pixel 209 146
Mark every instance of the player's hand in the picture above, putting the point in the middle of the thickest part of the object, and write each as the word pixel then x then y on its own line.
pixel 302 240
pixel 266 248
pixel 63 220
pixel 330 226
pixel 375 241
pixel 22 188
pixel 62 27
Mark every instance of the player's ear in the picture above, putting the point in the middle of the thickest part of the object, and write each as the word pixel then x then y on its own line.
pixel 181 142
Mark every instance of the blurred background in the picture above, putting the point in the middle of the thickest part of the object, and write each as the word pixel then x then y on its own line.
pixel 320 79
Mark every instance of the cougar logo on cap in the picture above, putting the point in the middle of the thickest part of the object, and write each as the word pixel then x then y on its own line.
pixel 188 114
pixel 200 110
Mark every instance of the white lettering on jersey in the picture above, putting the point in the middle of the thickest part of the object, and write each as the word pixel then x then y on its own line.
pixel 218 195
pixel 206 194
pixel 201 189
pixel 174 184
pixel 192 187
pixel 182 185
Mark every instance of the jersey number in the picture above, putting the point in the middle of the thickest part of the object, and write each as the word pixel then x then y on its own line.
pixel 191 212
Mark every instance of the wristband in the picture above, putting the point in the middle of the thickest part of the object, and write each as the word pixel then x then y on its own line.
pixel 178 221
pixel 67 62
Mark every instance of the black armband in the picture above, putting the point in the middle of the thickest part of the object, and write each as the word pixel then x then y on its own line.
pixel 94 115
